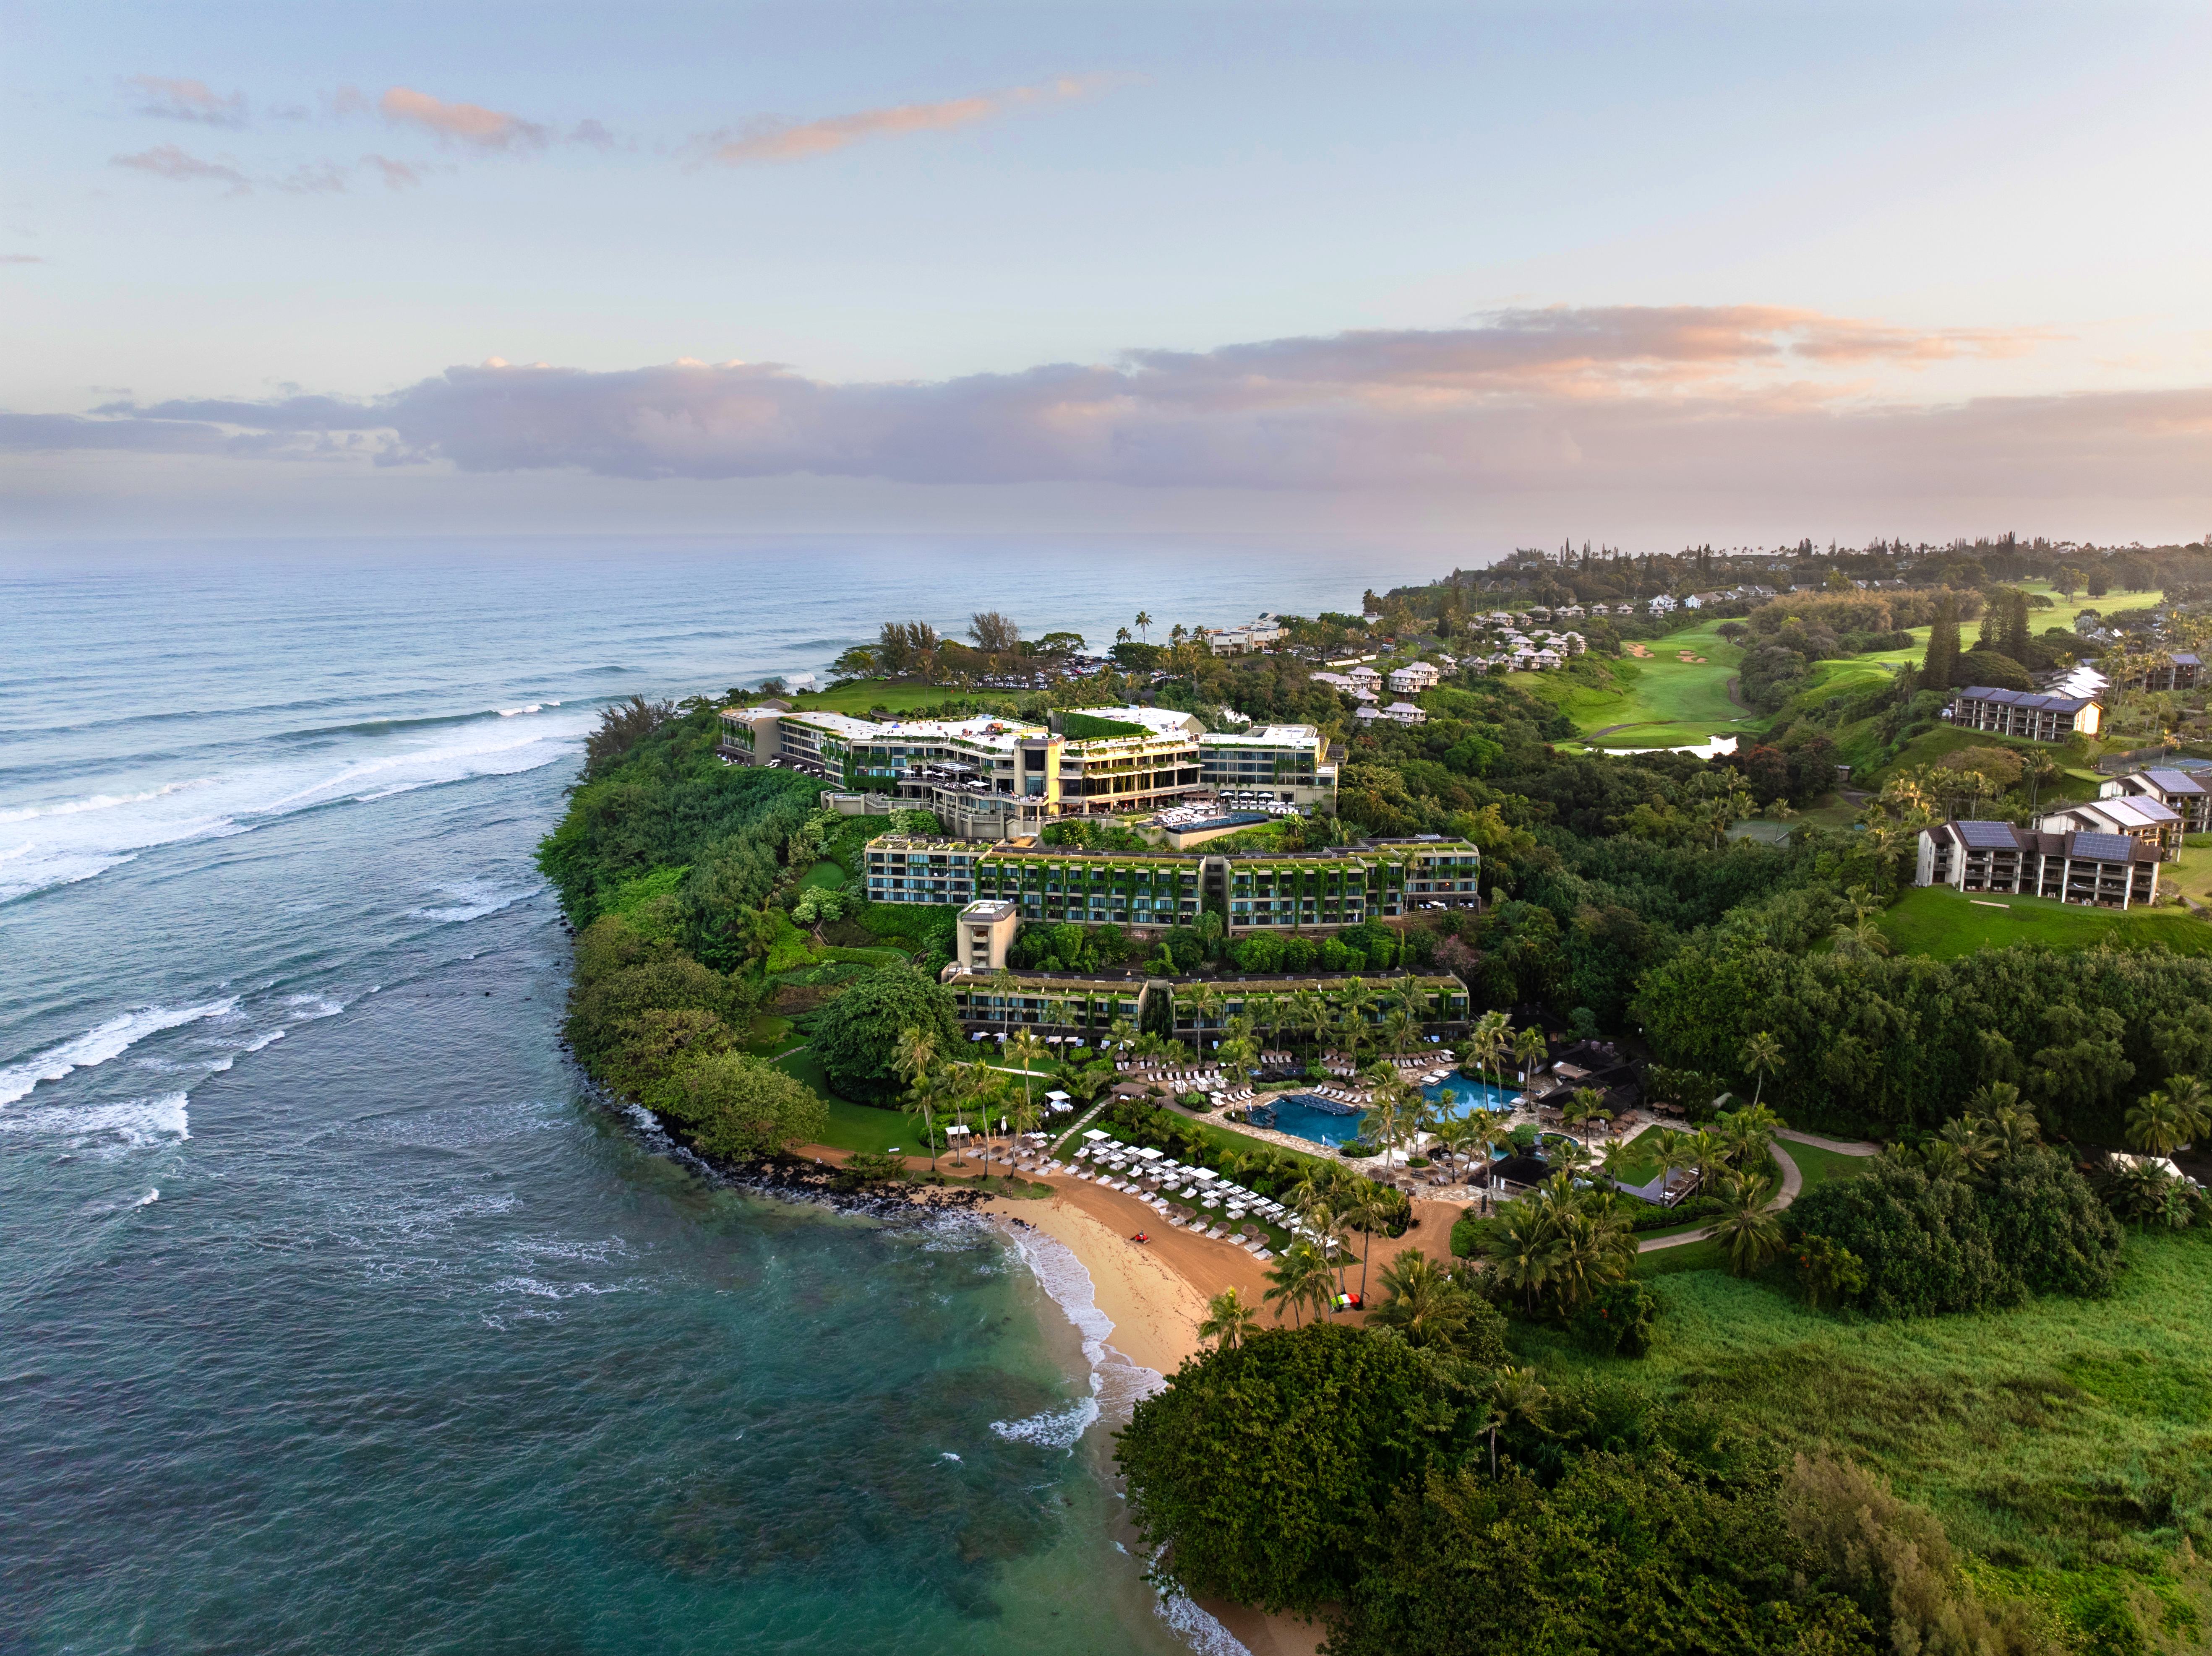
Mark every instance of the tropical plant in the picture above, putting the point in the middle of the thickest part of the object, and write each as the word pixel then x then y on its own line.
pixel 1751 1234
pixel 2161 1122
pixel 1424 1304
pixel 1299 1278
pixel 1831 1273
pixel 1762 1057
pixel 1229 1321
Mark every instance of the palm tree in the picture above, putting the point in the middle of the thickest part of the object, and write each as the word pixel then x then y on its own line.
pixel 1976 1145
pixel 1762 1057
pixel 1205 1001
pixel 1144 624
pixel 1310 1011
pixel 1025 1049
pixel 1372 1214
pixel 1487 1040
pixel 1943 1161
pixel 1401 1031
pixel 1530 1048
pixel 1424 1305
pixel 1515 1395
pixel 2161 1122
pixel 1751 1234
pixel 1299 1278
pixel 1229 1321
pixel 921 1101
pixel 1356 999
pixel 1386 1113
pixel 915 1054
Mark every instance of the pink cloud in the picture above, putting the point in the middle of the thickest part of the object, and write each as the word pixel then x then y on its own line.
pixel 398 175
pixel 465 124
pixel 188 100
pixel 166 161
pixel 790 141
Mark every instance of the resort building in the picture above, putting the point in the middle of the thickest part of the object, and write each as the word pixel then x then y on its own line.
pixel 2024 713
pixel 1203 1010
pixel 1261 634
pixel 2178 791
pixel 1319 891
pixel 905 869
pixel 2110 870
pixel 2154 824
pixel 1286 763
pixel 983 934
pixel 1412 679
pixel 1071 1002
pixel 990 777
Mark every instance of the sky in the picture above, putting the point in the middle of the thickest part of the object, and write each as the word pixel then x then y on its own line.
pixel 1639 274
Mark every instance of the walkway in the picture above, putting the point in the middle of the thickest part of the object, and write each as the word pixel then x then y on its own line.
pixel 1792 1182
pixel 1840 1146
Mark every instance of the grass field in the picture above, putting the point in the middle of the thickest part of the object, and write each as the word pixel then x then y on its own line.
pixel 1941 923
pixel 1662 700
pixel 2066 1444
pixel 1819 1166
pixel 862 694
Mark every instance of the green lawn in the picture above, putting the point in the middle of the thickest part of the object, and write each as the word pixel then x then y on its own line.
pixel 770 1035
pixel 825 873
pixel 857 697
pixel 2066 1444
pixel 1938 922
pixel 1666 702
pixel 1819 1166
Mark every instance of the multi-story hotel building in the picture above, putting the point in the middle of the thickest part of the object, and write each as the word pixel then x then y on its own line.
pixel 2110 870
pixel 2178 791
pixel 1075 1002
pixel 2019 712
pixel 1321 891
pixel 990 777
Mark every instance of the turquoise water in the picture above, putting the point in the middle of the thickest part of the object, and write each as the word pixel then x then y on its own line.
pixel 1302 1120
pixel 335 1316
pixel 1459 1095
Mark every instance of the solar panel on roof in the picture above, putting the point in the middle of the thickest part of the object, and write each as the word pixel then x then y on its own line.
pixel 2175 781
pixel 1988 836
pixel 2105 848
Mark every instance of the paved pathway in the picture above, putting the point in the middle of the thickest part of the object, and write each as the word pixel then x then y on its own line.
pixel 1840 1146
pixel 1792 1182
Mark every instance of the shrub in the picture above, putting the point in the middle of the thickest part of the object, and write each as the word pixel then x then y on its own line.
pixel 856 1035
pixel 1617 1321
pixel 1925 1242
pixel 731 1105
pixel 876 1166
pixel 2048 1223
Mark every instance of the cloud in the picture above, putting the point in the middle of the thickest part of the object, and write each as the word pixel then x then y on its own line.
pixel 1596 401
pixel 471 124
pixel 24 259
pixel 187 101
pixel 398 175
pixel 315 178
pixel 791 141
pixel 166 161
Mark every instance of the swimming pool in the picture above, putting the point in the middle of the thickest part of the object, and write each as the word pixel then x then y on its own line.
pixel 1295 1116
pixel 1458 1094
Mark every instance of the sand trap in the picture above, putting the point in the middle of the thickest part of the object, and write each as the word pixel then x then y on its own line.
pixel 1633 649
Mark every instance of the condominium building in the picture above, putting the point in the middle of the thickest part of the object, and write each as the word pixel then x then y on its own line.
pixel 905 869
pixel 2024 713
pixel 1412 679
pixel 1321 891
pixel 1289 763
pixel 2156 825
pixel 2109 870
pixel 1204 1010
pixel 2178 791
pixel 988 778
pixel 1073 1002
pixel 1261 634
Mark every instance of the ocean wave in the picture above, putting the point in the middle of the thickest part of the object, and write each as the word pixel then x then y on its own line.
pixel 1197 1628
pixel 99 802
pixel 536 1289
pixel 1117 1385
pixel 132 1122
pixel 1055 1429
pixel 98 1044
pixel 478 898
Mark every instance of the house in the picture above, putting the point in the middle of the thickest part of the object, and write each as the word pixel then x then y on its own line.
pixel 1413 677
pixel 1569 612
pixel 2178 791
pixel 1364 675
pixel 2154 824
pixel 2024 713
pixel 1254 635
pixel 1538 612
pixel 1599 610
pixel 1662 605
pixel 2108 871
pixel 1405 712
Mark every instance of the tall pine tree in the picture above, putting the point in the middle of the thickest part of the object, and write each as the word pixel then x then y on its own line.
pixel 1939 669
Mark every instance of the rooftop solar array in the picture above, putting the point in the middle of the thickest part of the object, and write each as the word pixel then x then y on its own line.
pixel 2175 781
pixel 2063 704
pixel 1988 836
pixel 2105 848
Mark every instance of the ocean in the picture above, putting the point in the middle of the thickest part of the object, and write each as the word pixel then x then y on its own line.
pixel 336 1315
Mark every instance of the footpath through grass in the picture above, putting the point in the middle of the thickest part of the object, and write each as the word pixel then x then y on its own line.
pixel 1941 923
pixel 2067 1444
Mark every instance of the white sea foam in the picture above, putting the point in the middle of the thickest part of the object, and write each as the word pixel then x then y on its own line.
pixel 1197 1627
pixel 98 1044
pixel 130 1122
pixel 475 899
pixel 100 801
pixel 1116 1383
pixel 259 1042
pixel 148 1198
